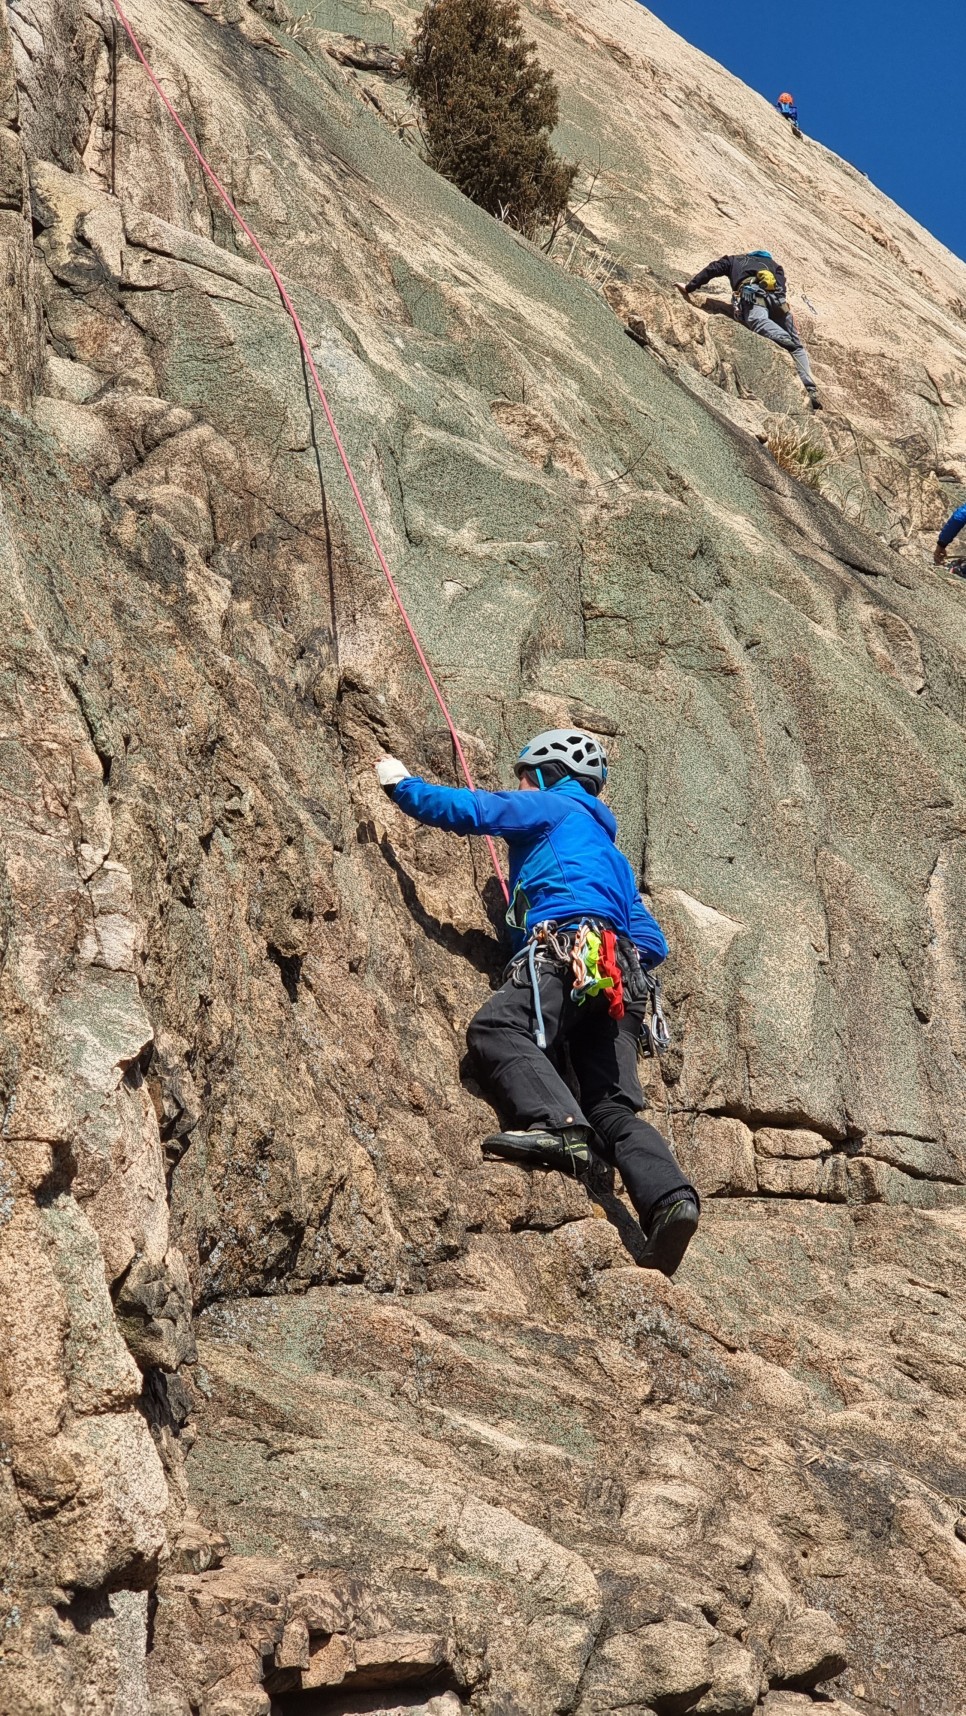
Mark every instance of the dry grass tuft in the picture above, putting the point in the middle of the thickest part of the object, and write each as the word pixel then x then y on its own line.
pixel 795 453
pixel 583 257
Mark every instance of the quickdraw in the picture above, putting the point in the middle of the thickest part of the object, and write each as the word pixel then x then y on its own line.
pixel 596 968
pixel 545 940
pixel 585 962
pixel 657 1028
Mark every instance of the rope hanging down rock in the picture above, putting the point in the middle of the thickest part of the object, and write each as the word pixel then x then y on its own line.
pixel 290 309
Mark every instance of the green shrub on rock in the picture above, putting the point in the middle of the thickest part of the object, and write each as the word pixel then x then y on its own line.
pixel 488 109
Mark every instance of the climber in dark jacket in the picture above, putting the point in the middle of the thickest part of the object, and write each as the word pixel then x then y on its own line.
pixel 950 530
pixel 760 300
pixel 584 940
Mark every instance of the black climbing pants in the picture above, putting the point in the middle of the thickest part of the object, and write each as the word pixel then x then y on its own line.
pixel 603 1053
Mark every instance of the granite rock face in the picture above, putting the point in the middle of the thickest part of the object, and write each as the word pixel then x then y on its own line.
pixel 305 1407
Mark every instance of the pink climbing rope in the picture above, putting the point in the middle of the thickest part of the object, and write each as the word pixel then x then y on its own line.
pixel 210 173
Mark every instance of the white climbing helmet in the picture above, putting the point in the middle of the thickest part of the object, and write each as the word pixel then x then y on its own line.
pixel 579 753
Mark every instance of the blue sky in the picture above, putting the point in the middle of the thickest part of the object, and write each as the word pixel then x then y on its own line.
pixel 877 81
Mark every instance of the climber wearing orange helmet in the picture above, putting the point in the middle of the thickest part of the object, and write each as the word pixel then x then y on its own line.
pixel 786 107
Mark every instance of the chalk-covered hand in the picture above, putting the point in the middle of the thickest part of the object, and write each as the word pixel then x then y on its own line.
pixel 939 555
pixel 682 288
pixel 389 772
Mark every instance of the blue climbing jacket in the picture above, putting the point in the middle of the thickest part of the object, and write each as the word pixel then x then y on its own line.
pixel 564 861
pixel 952 526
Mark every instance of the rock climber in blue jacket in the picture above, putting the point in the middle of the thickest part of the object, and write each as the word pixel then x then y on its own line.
pixel 583 942
pixel 950 529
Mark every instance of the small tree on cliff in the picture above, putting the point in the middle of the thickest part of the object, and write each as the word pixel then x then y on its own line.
pixel 488 109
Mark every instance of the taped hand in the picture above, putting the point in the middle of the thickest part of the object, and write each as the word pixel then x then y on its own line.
pixel 389 772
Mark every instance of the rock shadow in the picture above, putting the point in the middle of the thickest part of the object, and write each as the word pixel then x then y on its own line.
pixel 718 307
pixel 362 1697
pixel 598 1184
pixel 475 946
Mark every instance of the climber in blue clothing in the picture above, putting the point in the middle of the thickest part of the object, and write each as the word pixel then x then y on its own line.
pixel 950 529
pixel 584 944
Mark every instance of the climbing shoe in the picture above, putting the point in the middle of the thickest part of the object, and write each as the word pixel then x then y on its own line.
pixel 813 399
pixel 567 1150
pixel 670 1230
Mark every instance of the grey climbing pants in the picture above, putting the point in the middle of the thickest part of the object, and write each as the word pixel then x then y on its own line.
pixel 603 1054
pixel 785 335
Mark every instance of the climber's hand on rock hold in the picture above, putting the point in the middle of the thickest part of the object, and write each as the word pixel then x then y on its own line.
pixel 939 555
pixel 389 772
pixel 680 286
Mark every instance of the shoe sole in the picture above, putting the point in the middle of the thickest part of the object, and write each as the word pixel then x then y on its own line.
pixel 666 1251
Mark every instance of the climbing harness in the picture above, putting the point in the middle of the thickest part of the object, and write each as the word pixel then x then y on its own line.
pixel 756 290
pixel 601 962
pixel 306 350
pixel 745 296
